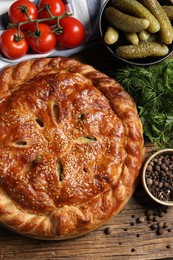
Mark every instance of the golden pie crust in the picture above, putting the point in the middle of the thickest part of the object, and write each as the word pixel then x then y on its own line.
pixel 71 147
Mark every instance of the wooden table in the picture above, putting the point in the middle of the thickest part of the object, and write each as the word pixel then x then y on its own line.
pixel 121 238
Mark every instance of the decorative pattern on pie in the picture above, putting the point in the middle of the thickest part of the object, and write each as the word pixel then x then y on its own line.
pixel 71 146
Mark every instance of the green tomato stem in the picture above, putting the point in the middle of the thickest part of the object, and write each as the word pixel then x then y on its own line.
pixel 47 8
pixel 23 9
pixel 42 20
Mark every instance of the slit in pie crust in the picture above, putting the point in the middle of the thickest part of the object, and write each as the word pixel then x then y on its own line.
pixel 71 146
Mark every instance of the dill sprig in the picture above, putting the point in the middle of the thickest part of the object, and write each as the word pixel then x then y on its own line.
pixel 152 90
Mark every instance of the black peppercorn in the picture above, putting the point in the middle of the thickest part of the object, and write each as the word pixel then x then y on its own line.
pixel 159 177
pixel 107 231
pixel 141 219
pixel 160 231
pixel 154 227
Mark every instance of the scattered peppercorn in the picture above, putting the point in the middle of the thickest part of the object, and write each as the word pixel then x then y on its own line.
pixel 161 224
pixel 107 231
pixel 160 231
pixel 154 226
pixel 161 214
pixel 150 217
pixel 156 219
pixel 141 219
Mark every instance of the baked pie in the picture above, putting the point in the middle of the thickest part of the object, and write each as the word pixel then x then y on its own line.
pixel 71 147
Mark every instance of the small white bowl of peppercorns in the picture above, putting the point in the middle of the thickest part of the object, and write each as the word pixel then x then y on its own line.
pixel 157 177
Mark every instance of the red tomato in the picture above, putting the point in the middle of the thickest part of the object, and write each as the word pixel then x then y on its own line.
pixel 22 11
pixel 73 32
pixel 12 45
pixel 56 8
pixel 42 40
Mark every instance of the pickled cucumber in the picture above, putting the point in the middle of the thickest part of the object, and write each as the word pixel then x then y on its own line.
pixel 144 35
pixel 166 32
pixel 125 22
pixel 135 8
pixel 111 35
pixel 132 38
pixel 147 49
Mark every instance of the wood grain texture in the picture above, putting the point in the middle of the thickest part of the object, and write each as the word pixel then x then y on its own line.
pixel 127 239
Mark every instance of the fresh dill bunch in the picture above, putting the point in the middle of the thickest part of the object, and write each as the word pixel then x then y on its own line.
pixel 152 90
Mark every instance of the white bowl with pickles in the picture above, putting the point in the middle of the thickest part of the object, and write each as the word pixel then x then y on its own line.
pixel 137 32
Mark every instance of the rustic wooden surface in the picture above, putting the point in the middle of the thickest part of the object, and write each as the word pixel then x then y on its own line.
pixel 127 238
